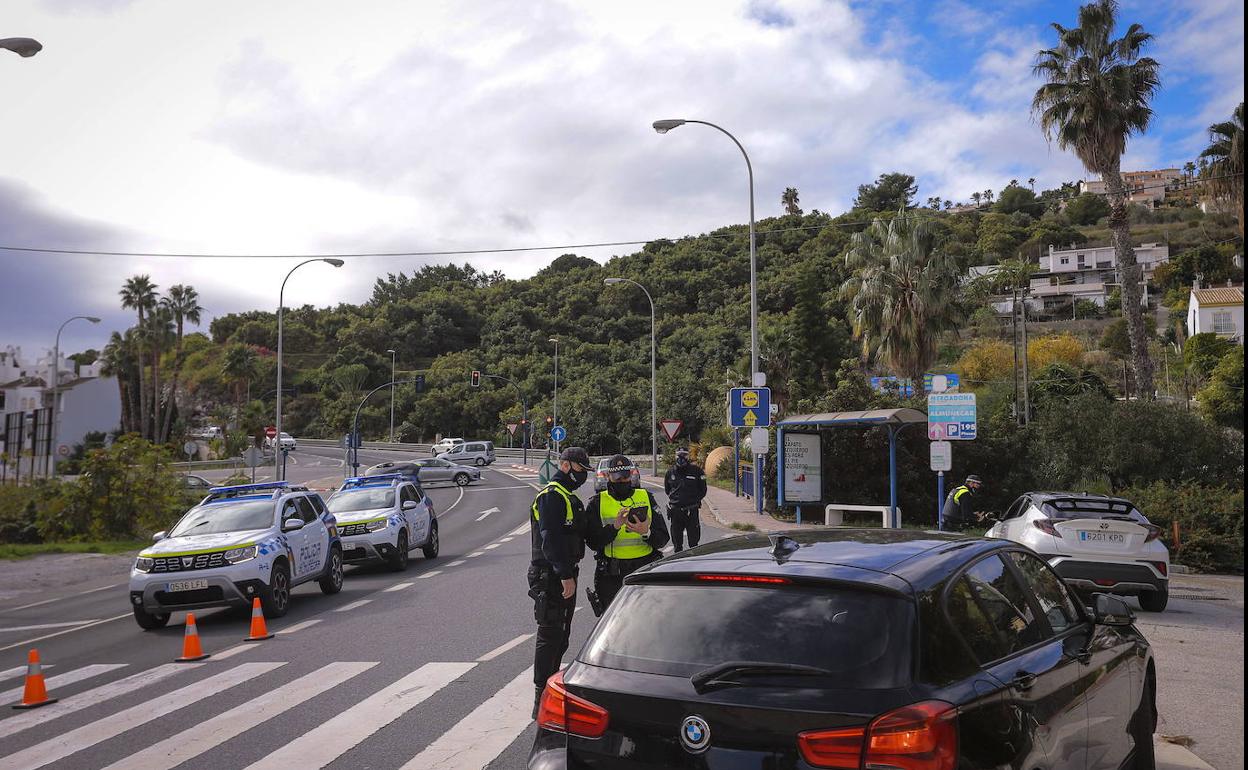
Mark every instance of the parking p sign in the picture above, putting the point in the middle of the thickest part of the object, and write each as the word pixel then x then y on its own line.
pixel 951 417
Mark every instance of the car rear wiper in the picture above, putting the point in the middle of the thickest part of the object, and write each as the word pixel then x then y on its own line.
pixel 719 674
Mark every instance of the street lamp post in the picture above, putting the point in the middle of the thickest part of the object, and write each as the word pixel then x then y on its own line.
pixel 392 354
pixel 524 412
pixel 662 127
pixel 555 416
pixel 278 466
pixel 55 382
pixel 24 47
pixel 654 386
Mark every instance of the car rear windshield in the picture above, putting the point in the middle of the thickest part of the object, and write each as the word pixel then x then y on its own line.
pixel 226 517
pixel 1082 508
pixel 350 500
pixel 863 637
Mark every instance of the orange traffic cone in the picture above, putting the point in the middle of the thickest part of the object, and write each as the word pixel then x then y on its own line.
pixel 35 694
pixel 191 651
pixel 259 631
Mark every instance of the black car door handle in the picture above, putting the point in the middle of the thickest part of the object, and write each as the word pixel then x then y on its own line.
pixel 1023 680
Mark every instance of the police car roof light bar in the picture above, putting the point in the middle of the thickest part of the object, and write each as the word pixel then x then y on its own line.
pixel 251 487
pixel 388 479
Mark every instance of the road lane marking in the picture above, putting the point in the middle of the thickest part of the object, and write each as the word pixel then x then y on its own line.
pixel 25 642
pixel 90 734
pixel 456 563
pixel 43 626
pixel 519 530
pixel 300 626
pixel 487 513
pixel 429 574
pixel 353 605
pixel 329 740
pixel 60 598
pixel 507 539
pixel 492 489
pixel 397 587
pixel 477 739
pixel 491 546
pixel 209 734
pixel 69 677
pixel 475 554
pixel 9 673
pixel 457 501
pixel 502 648
pixel 232 651
pixel 43 714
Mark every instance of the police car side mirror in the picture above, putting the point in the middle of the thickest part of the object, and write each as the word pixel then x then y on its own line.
pixel 409 505
pixel 161 535
pixel 290 525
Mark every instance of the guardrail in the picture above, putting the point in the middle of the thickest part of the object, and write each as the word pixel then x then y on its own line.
pixel 503 453
pixel 208 465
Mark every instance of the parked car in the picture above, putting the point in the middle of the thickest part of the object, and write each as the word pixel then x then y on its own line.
pixel 850 649
pixel 1095 542
pixel 207 432
pixel 384 518
pixel 241 542
pixel 445 445
pixel 287 442
pixel 600 476
pixel 479 453
pixel 429 470
pixel 197 486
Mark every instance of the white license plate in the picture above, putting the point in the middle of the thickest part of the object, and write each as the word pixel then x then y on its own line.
pixel 186 585
pixel 1101 537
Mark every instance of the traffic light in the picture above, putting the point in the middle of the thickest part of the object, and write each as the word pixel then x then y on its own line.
pixel 476 378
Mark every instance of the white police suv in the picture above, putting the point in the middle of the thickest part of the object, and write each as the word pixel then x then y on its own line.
pixel 384 517
pixel 238 543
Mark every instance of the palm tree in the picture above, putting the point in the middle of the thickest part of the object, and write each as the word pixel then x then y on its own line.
pixel 1189 170
pixel 157 333
pixel 139 294
pixel 238 365
pixel 1031 182
pixel 1097 94
pixel 183 304
pixel 903 294
pixel 789 200
pixel 1225 154
pixel 976 197
pixel 988 195
pixel 118 360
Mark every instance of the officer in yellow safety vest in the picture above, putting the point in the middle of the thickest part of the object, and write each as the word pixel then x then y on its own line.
pixel 625 532
pixel 958 512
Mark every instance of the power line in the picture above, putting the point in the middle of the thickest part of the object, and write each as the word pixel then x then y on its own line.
pixel 918 210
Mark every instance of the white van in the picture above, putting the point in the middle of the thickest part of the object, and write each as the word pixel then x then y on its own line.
pixel 479 453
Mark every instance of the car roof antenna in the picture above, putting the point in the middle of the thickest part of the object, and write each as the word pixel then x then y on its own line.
pixel 782 547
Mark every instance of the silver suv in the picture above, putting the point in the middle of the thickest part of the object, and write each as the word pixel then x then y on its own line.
pixel 478 453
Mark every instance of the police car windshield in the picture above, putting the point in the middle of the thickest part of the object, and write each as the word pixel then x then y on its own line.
pixel 349 500
pixel 235 516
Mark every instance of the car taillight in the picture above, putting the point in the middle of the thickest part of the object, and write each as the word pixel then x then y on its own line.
pixel 1161 567
pixel 1046 526
pixel 1154 532
pixel 764 579
pixel 563 712
pixel 923 736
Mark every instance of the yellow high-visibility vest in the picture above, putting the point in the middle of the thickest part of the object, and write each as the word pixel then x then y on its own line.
pixel 559 489
pixel 626 545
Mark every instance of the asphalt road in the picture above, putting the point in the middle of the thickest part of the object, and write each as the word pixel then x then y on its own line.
pixel 429 668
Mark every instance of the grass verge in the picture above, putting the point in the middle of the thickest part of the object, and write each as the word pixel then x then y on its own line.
pixel 26 550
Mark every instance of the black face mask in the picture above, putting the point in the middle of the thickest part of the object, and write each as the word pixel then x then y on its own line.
pixel 620 490
pixel 682 460
pixel 578 478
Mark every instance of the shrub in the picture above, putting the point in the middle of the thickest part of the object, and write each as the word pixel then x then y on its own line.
pixel 1222 400
pixel 986 361
pixel 1211 522
pixel 1055 348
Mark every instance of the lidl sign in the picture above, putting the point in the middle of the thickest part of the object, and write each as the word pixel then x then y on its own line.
pixel 749 407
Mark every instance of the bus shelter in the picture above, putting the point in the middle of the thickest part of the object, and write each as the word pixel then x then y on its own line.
pixel 892 420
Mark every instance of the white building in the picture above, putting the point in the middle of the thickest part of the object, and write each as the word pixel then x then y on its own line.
pixel 1089 273
pixel 1147 188
pixel 1219 310
pixel 89 402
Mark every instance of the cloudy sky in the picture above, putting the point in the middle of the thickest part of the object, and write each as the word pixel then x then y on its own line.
pixel 311 126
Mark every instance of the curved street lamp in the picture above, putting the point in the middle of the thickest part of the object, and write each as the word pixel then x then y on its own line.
pixel 24 47
pixel 278 466
pixel 55 382
pixel 654 382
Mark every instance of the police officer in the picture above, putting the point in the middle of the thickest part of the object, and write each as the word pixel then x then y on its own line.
pixel 685 485
pixel 625 532
pixel 959 512
pixel 557 524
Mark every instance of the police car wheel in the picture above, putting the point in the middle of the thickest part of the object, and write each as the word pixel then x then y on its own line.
pixel 276 596
pixel 461 479
pixel 398 562
pixel 332 582
pixel 148 621
pixel 430 549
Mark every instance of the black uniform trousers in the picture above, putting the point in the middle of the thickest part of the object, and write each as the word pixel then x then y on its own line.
pixel 684 519
pixel 609 574
pixel 553 614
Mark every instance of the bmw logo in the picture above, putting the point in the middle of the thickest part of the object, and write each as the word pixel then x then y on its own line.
pixel 695 734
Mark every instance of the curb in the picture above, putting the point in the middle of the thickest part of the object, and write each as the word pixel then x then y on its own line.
pixel 1180 569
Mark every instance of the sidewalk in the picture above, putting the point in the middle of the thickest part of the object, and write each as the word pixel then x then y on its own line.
pixel 728 509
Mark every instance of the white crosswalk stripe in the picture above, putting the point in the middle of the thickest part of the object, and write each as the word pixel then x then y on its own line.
pixel 43 754
pixel 13 673
pixel 482 735
pixel 330 740
pixel 61 680
pixel 188 744
pixel 28 719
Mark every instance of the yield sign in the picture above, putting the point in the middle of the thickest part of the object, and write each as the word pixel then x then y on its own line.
pixel 671 428
pixel 511 427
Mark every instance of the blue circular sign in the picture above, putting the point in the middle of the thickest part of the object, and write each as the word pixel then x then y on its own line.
pixel 558 433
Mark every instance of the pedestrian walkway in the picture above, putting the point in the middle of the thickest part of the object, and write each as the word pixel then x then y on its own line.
pixel 730 510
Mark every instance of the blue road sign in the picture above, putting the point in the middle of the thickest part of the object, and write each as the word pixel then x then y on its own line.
pixel 749 408
pixel 558 433
pixel 952 417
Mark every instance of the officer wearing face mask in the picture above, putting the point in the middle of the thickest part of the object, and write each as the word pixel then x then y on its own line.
pixel 685 486
pixel 625 532
pixel 558 525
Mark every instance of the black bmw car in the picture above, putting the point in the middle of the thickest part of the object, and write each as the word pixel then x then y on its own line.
pixel 884 649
